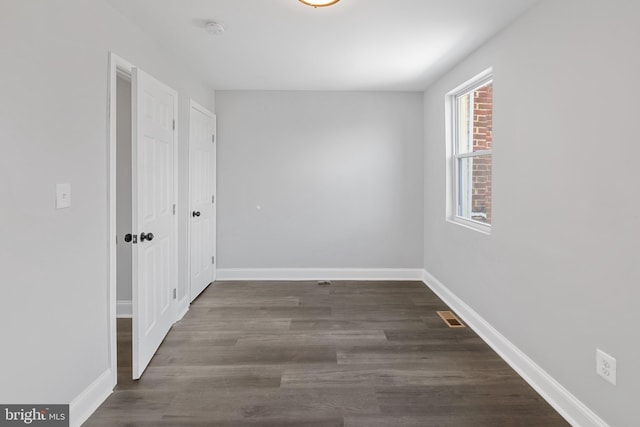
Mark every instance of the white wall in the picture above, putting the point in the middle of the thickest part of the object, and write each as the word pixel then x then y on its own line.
pixel 559 274
pixel 53 124
pixel 124 190
pixel 338 178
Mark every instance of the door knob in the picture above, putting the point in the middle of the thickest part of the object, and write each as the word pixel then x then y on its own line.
pixel 195 213
pixel 128 237
pixel 146 236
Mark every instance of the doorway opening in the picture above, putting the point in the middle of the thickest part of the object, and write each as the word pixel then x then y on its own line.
pixel 120 92
pixel 142 222
pixel 124 215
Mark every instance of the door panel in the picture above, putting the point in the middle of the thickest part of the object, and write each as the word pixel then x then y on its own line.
pixel 154 257
pixel 202 152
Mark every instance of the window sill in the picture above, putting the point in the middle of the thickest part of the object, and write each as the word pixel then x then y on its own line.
pixel 472 225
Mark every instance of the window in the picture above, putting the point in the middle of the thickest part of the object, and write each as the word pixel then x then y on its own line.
pixel 471 138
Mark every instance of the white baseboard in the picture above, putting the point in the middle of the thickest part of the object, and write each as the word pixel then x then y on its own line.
pixel 124 309
pixel 319 274
pixel 183 307
pixel 572 409
pixel 85 404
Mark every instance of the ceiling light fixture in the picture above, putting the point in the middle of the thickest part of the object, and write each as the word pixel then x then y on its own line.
pixel 319 3
pixel 214 28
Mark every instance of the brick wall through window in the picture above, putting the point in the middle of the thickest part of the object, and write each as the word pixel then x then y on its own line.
pixel 482 140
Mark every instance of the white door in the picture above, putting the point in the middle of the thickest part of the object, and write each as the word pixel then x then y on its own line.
pixel 154 224
pixel 202 214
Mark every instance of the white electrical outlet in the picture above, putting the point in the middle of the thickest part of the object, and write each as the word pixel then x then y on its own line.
pixel 606 366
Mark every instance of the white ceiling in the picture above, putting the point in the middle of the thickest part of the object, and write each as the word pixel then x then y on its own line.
pixel 353 45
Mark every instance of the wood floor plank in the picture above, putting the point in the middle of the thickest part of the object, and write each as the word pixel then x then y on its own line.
pixel 392 375
pixel 355 300
pixel 442 354
pixel 247 355
pixel 443 335
pixel 235 324
pixel 510 396
pixel 301 338
pixel 246 301
pixel 341 324
pixel 278 404
pixel 138 405
pixel 256 313
pixel 184 378
pixel 219 422
pixel 287 354
pixel 455 420
pixel 380 312
pixel 381 285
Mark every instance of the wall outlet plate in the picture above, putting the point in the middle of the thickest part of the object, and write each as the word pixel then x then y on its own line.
pixel 606 366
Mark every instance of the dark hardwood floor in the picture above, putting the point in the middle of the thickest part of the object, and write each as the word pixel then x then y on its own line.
pixel 297 354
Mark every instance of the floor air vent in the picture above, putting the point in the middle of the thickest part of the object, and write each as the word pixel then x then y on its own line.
pixel 450 319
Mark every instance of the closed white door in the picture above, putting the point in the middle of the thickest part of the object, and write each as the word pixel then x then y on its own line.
pixel 202 215
pixel 154 224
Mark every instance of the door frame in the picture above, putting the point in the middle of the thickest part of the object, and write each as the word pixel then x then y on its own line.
pixel 194 105
pixel 117 66
pixel 120 67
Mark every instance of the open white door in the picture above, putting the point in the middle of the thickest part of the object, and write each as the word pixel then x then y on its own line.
pixel 202 215
pixel 154 224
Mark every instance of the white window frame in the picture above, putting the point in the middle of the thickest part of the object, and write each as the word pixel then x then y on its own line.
pixel 453 156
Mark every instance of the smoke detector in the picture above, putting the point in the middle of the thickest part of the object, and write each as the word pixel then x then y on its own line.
pixel 214 28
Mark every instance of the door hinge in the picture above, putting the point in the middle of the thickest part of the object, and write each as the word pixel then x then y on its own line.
pixel 175 293
pixel 213 199
pixel 174 208
pixel 213 260
pixel 213 138
pixel 174 124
